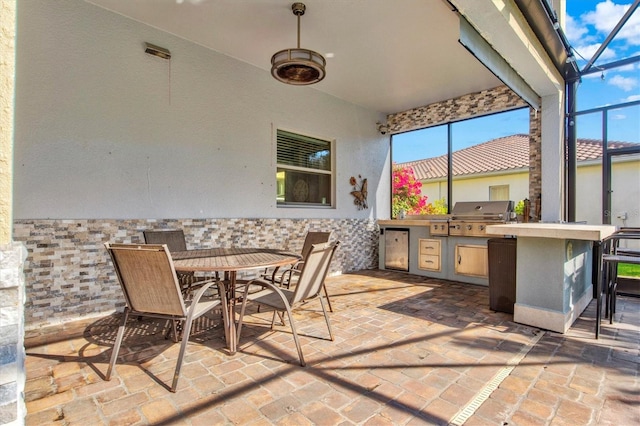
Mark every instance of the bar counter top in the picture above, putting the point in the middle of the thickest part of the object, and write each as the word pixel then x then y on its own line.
pixel 563 231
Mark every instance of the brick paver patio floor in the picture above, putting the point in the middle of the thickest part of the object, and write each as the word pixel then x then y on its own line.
pixel 408 350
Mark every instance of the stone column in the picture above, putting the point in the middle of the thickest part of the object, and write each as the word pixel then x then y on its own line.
pixel 12 353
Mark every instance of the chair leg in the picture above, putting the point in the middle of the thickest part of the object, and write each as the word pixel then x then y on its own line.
pixel 605 287
pixel 613 288
pixel 326 294
pixel 183 346
pixel 326 316
pixel 295 337
pixel 240 320
pixel 116 345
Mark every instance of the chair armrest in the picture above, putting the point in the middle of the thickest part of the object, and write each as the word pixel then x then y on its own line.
pixel 270 286
pixel 205 286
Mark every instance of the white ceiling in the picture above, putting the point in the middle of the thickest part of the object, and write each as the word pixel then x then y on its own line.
pixel 388 55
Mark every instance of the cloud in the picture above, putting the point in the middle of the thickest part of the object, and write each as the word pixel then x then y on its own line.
pixel 632 98
pixel 574 31
pixel 624 83
pixel 606 17
pixel 618 117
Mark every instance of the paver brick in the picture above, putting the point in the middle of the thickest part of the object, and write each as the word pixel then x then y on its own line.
pixel 240 413
pixel 98 387
pixel 458 395
pixel 523 418
pixel 208 418
pixel 40 387
pixel 406 355
pixel 537 409
pixel 49 401
pixel 441 410
pixel 122 404
pixel 516 385
pixel 281 407
pixel 585 385
pixel 125 418
pixel 160 411
pixel 319 414
pixel 43 417
pixel 493 411
pixel 576 411
pixel 359 410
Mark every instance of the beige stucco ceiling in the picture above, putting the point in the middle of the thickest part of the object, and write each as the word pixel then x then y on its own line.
pixel 388 56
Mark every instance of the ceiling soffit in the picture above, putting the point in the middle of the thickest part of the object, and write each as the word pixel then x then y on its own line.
pixel 504 27
pixel 388 56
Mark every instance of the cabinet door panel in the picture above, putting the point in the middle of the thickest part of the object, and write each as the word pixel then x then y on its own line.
pixel 472 260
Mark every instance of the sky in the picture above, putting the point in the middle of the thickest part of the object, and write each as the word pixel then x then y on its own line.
pixel 588 23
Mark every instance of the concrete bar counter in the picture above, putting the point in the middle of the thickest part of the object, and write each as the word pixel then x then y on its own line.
pixel 554 270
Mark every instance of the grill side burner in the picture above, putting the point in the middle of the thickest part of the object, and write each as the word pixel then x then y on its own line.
pixel 439 227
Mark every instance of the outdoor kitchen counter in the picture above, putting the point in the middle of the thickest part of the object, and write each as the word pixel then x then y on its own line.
pixel 554 270
pixel 411 245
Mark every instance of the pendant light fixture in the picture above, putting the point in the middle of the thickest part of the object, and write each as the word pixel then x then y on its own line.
pixel 298 66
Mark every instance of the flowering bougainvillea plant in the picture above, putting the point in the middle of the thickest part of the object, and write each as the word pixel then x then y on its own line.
pixel 406 192
pixel 407 195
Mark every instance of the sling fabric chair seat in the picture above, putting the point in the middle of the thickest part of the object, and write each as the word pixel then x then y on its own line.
pixel 289 276
pixel 175 241
pixel 309 286
pixel 151 289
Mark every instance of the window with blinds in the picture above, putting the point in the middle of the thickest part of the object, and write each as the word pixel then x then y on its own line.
pixel 304 170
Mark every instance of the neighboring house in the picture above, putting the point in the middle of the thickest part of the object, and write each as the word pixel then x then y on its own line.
pixel 499 170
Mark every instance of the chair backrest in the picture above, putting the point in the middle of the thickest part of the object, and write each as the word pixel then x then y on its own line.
pixel 313 238
pixel 174 238
pixel 314 271
pixel 148 278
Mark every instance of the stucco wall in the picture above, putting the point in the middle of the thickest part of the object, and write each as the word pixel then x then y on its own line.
pixel 625 183
pixel 104 130
pixel 477 187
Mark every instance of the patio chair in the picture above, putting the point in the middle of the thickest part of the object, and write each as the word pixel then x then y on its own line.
pixel 175 241
pixel 151 289
pixel 288 277
pixel 310 284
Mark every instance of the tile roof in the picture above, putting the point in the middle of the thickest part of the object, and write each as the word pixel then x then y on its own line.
pixel 497 155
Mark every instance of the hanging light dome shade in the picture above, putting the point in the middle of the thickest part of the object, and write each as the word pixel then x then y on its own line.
pixel 298 66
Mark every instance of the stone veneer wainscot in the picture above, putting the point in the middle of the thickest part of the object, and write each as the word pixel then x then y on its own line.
pixel 69 276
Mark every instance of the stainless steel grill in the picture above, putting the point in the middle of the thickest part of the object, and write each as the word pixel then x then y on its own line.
pixel 470 218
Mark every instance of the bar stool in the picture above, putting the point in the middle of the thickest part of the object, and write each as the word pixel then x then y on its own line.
pixel 612 256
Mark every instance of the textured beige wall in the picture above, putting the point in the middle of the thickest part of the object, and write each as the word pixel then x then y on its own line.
pixel 7 74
